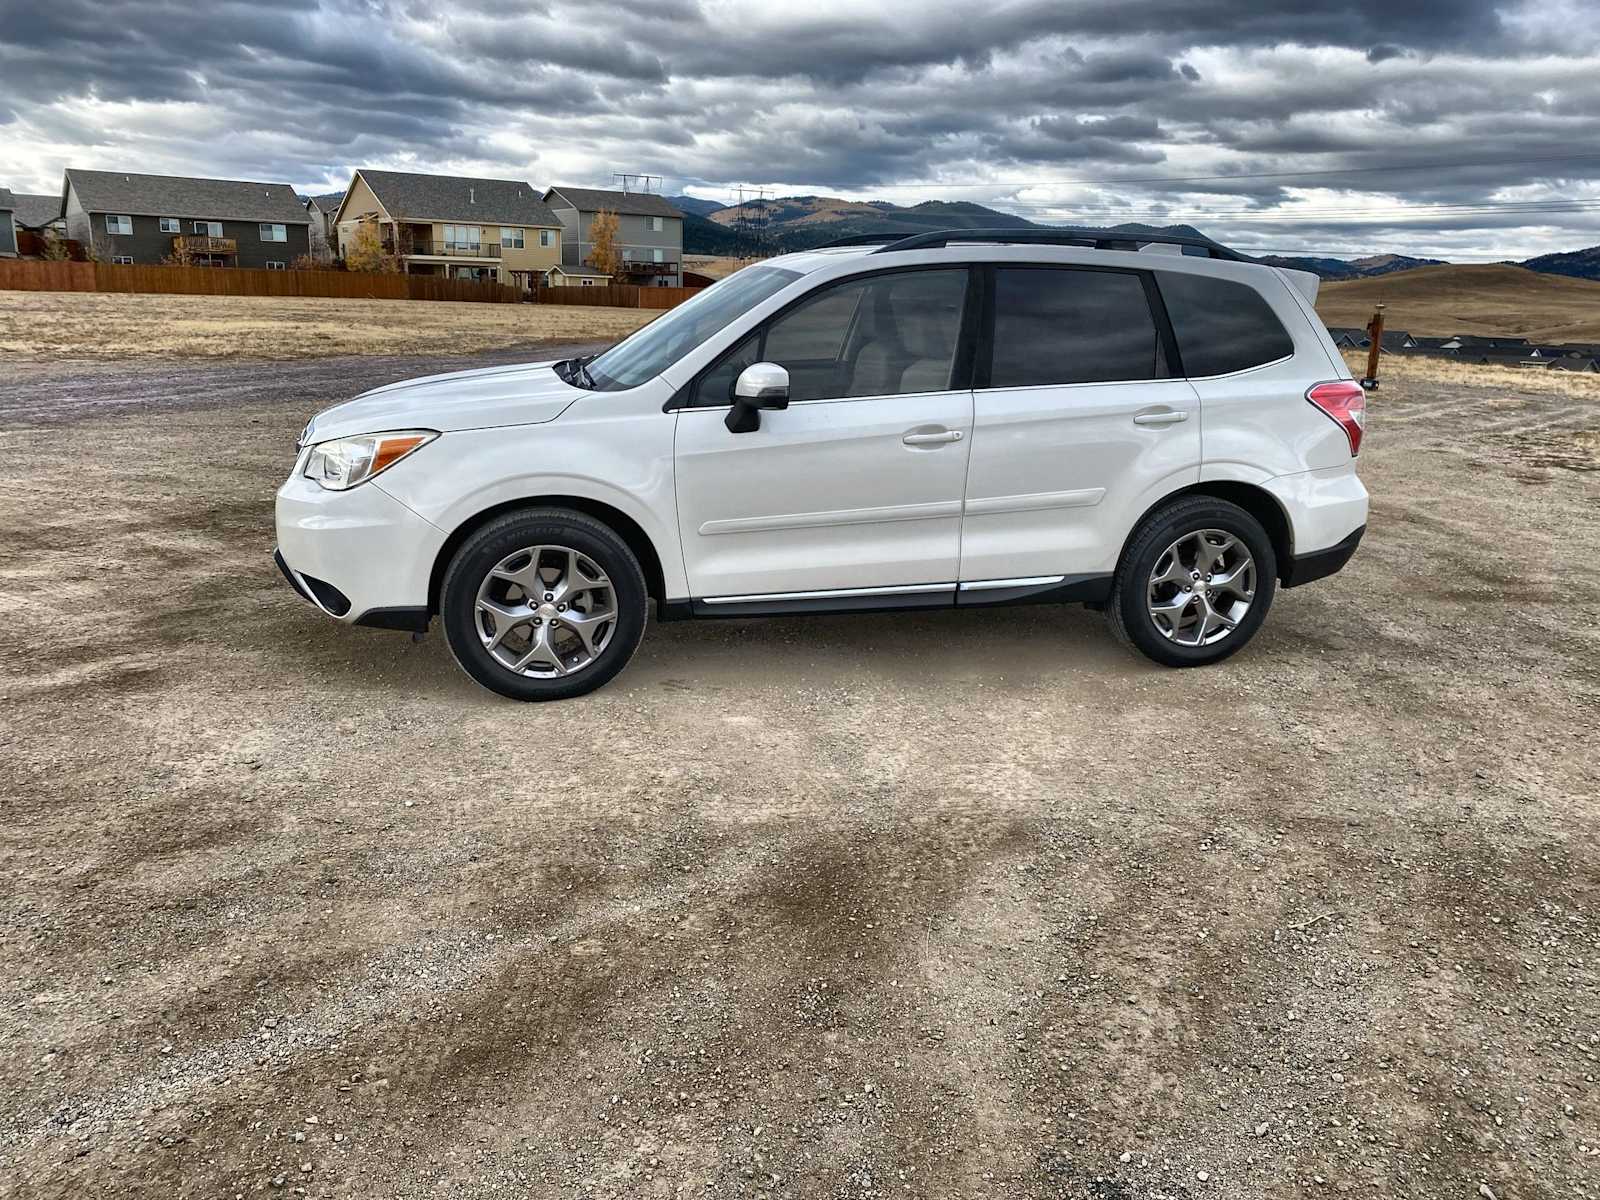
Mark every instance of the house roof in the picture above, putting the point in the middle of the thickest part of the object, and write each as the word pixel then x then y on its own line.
pixel 408 197
pixel 7 200
pixel 35 212
pixel 585 269
pixel 180 196
pixel 633 204
pixel 328 203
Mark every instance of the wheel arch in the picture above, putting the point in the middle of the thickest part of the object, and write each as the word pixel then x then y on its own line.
pixel 614 518
pixel 1255 500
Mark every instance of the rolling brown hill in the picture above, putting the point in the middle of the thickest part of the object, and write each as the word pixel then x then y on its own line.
pixel 1470 299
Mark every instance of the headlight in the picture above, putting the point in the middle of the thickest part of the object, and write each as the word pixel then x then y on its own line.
pixel 342 464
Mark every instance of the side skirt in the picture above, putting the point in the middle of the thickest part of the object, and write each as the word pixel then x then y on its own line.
pixel 1069 589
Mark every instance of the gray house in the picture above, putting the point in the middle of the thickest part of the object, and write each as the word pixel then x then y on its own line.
pixel 320 211
pixel 649 232
pixel 129 218
pixel 37 213
pixel 8 227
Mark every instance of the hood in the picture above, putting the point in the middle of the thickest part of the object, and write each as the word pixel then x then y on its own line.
pixel 529 394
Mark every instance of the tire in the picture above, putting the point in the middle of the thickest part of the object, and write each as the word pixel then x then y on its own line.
pixel 495 591
pixel 1194 527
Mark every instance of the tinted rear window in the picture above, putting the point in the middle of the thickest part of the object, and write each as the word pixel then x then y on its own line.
pixel 1222 326
pixel 1067 326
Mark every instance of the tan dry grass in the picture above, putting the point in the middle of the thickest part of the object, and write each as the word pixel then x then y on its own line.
pixel 41 326
pixel 1405 369
pixel 1494 299
pixel 717 266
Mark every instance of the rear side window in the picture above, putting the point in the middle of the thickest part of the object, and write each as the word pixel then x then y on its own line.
pixel 1222 326
pixel 1068 326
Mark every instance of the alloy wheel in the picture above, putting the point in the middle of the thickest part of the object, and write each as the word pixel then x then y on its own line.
pixel 1201 587
pixel 545 612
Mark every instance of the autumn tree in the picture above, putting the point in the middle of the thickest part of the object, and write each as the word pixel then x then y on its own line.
pixel 605 254
pixel 366 251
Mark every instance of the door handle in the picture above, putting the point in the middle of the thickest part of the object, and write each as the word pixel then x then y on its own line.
pixel 1160 418
pixel 932 439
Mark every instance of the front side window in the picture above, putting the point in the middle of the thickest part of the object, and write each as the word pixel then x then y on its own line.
pixel 206 228
pixel 884 335
pixel 1222 326
pixel 171 225
pixel 1058 325
pixel 271 233
pixel 512 239
pixel 547 237
pixel 640 358
pixel 119 225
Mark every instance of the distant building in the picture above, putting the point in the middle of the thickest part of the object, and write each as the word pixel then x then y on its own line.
pixel 39 214
pixel 127 218
pixel 8 226
pixel 649 232
pixel 562 275
pixel 320 211
pixel 491 230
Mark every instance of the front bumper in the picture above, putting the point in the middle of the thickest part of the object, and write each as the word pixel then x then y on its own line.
pixel 360 556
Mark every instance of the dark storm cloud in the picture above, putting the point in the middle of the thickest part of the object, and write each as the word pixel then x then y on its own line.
pixel 974 102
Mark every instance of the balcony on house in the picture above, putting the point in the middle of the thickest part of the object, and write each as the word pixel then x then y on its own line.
pixel 191 243
pixel 454 249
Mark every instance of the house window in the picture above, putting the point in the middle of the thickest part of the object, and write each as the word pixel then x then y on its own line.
pixel 658 255
pixel 655 227
pixel 586 283
pixel 206 228
pixel 122 260
pixel 547 237
pixel 122 225
pixel 463 238
pixel 270 233
pixel 171 225
pixel 512 239
pixel 274 266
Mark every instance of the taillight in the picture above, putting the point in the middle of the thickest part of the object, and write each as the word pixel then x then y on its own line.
pixel 1346 405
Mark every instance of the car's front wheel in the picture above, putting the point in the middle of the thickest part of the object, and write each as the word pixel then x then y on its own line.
pixel 1194 583
pixel 543 604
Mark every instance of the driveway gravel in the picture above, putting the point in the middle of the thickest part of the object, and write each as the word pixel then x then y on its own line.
pixel 944 904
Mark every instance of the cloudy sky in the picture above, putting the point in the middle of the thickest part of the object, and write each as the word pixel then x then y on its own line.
pixel 1464 129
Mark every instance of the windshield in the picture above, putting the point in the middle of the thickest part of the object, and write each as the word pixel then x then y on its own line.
pixel 668 338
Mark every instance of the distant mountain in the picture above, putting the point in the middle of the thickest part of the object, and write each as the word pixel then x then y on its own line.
pixel 1360 268
pixel 1580 264
pixel 689 204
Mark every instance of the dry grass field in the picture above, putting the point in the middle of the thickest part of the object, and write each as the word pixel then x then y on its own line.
pixel 49 326
pixel 1492 299
pixel 717 266
pixel 1407 370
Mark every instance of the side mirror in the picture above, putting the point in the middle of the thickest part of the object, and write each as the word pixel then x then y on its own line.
pixel 760 385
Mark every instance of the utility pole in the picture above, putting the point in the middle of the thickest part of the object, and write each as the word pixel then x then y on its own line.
pixel 633 183
pixel 750 229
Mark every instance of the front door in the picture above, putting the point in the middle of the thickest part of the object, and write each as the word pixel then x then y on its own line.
pixel 857 485
pixel 1078 428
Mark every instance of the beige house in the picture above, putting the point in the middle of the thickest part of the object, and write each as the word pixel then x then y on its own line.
pixel 498 230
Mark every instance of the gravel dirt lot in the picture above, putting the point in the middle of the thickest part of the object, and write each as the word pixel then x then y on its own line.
pixel 51 326
pixel 939 905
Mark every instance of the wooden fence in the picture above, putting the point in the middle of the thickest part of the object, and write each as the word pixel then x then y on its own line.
pixel 28 275
pixel 616 295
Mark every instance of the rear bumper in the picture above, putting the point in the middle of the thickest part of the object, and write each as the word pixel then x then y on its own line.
pixel 1319 564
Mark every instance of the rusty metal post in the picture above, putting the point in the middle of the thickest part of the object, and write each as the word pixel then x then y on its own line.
pixel 1374 348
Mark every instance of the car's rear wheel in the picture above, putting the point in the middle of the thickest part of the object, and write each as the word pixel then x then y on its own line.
pixel 1194 583
pixel 543 604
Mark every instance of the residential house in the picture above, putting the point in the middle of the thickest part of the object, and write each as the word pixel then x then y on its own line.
pixel 1576 362
pixel 1347 338
pixel 38 214
pixel 649 232
pixel 320 210
pixel 128 218
pixel 562 275
pixel 8 225
pixel 496 230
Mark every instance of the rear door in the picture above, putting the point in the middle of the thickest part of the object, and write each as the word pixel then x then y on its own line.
pixel 857 485
pixel 1078 424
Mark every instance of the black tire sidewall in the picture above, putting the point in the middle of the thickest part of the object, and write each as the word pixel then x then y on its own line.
pixel 504 536
pixel 1158 532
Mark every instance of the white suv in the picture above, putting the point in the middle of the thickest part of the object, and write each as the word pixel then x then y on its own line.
pixel 1159 428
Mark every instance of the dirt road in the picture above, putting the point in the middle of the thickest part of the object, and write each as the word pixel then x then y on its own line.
pixel 940 905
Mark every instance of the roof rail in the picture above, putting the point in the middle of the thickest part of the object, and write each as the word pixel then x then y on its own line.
pixel 1095 239
pixel 860 239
